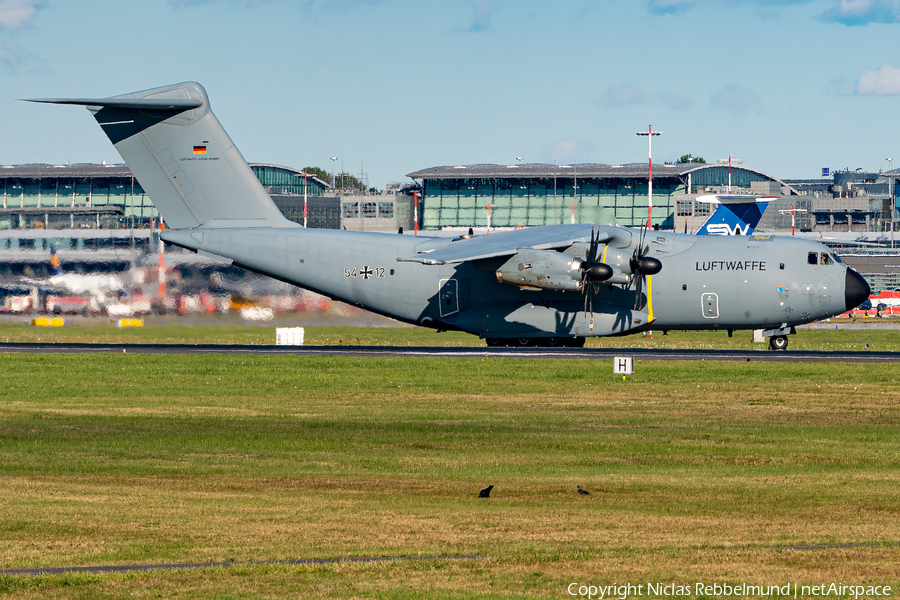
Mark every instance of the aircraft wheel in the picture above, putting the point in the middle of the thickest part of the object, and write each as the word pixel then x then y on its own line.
pixel 552 342
pixel 494 342
pixel 778 342
pixel 524 342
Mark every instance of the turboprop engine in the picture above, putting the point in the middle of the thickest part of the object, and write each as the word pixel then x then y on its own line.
pixel 548 270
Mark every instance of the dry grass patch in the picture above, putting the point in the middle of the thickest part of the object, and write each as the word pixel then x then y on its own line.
pixel 693 470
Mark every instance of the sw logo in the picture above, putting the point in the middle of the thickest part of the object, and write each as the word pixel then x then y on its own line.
pixel 724 229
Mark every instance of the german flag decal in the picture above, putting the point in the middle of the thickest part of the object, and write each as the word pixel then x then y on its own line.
pixel 199 149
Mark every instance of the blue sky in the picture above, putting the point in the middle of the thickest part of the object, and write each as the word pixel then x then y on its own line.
pixel 787 86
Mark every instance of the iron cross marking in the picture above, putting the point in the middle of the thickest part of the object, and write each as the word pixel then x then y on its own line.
pixel 366 272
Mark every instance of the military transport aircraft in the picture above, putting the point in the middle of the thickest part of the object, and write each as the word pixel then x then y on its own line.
pixel 551 285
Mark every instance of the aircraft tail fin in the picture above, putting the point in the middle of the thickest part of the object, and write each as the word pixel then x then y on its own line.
pixel 183 158
pixel 734 214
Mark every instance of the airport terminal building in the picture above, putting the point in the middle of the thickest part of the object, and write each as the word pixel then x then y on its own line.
pixel 543 194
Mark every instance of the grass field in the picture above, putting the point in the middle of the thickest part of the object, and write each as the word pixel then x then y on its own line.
pixel 696 470
pixel 838 336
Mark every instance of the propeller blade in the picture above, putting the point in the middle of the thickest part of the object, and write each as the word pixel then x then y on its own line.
pixel 638 288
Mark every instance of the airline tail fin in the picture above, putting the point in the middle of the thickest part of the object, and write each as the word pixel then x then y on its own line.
pixel 183 158
pixel 734 214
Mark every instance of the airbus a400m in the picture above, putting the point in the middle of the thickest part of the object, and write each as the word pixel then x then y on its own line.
pixel 552 285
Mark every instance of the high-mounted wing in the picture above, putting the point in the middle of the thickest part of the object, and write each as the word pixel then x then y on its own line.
pixel 507 243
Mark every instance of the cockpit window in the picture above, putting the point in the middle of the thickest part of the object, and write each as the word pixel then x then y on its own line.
pixel 836 258
pixel 826 259
pixel 812 258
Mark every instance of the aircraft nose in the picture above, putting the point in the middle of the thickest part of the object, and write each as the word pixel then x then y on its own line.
pixel 856 289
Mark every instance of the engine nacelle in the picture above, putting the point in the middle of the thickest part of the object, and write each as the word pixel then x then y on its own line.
pixel 619 262
pixel 542 270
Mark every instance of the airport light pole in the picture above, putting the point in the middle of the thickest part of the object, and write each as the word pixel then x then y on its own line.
pixel 649 133
pixel 722 161
pixel 893 203
pixel 333 180
pixel 792 211
pixel 305 175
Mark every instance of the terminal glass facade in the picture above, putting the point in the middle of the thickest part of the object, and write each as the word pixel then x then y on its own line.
pixel 717 176
pixel 546 201
pixel 102 196
pixel 74 202
pixel 282 180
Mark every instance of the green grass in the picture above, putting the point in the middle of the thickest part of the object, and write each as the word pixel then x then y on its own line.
pixel 837 337
pixel 694 469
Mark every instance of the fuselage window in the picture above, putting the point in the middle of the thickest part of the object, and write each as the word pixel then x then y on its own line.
pixel 812 258
pixel 826 260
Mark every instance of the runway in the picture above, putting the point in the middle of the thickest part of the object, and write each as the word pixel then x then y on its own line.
pixel 459 352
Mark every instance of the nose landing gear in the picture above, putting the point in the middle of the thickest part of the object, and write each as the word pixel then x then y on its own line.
pixel 778 342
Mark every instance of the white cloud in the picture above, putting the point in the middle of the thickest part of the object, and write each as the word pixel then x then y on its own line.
pixel 885 82
pixel 15 13
pixel 623 95
pixel 863 12
pixel 15 59
pixel 677 7
pixel 736 99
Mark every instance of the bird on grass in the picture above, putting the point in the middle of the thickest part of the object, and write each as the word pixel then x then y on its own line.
pixel 583 492
pixel 486 492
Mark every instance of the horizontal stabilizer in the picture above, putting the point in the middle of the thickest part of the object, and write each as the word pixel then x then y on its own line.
pixel 138 104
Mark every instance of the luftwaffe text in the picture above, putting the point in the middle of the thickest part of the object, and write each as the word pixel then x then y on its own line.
pixel 731 265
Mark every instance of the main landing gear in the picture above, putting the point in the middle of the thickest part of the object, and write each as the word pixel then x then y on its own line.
pixel 544 342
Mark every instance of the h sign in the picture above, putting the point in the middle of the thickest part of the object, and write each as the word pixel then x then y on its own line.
pixel 623 365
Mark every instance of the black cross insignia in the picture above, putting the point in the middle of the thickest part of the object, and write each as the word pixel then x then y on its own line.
pixel 366 272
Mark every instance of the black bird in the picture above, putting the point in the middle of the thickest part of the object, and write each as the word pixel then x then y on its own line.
pixel 486 492
pixel 583 492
